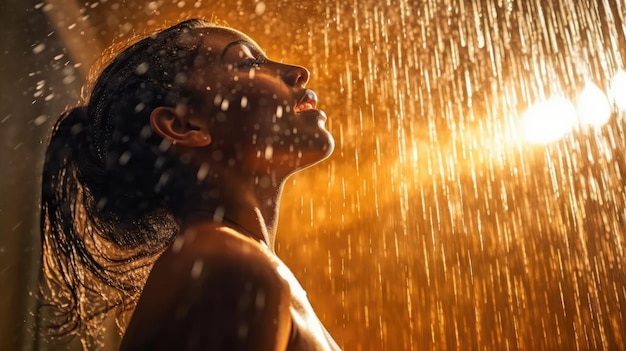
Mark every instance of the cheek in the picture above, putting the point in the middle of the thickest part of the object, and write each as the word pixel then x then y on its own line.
pixel 256 111
pixel 261 113
pixel 265 90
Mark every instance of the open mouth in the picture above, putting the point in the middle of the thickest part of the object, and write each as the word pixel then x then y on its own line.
pixel 308 101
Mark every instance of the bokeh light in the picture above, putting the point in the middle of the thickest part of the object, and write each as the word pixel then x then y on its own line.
pixel 549 120
pixel 593 106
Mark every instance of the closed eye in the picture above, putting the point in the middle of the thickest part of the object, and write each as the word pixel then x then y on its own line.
pixel 254 61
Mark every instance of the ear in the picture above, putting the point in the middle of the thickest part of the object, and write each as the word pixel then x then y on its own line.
pixel 179 130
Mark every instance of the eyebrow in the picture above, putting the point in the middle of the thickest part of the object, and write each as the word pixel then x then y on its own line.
pixel 239 42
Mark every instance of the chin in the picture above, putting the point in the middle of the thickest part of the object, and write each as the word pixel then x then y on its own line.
pixel 321 147
pixel 329 146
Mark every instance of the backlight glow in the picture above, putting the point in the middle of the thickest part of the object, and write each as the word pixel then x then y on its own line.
pixel 548 120
pixel 593 106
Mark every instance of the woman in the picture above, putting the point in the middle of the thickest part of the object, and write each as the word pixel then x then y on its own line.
pixel 180 155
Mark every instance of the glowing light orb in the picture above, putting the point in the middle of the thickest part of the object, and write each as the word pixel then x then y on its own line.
pixel 593 106
pixel 618 89
pixel 548 120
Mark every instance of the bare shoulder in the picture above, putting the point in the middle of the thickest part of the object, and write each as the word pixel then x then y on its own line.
pixel 207 251
pixel 220 242
pixel 220 281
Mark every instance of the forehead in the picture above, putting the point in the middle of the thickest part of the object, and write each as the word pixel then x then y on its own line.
pixel 216 39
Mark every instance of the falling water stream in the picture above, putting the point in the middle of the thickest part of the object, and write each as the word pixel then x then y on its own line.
pixel 476 197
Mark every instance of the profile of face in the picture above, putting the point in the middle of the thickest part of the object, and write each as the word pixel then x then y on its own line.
pixel 220 102
pixel 248 110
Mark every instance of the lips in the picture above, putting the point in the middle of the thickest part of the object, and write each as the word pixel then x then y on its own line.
pixel 307 102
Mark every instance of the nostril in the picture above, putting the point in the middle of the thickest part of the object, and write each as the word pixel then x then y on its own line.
pixel 304 76
pixel 297 76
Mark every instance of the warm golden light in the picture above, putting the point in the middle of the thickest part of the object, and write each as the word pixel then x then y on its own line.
pixel 593 106
pixel 618 89
pixel 548 120
pixel 434 225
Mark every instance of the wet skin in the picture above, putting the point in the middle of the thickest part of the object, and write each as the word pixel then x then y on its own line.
pixel 246 103
pixel 220 285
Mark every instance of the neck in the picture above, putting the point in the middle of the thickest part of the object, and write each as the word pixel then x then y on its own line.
pixel 250 207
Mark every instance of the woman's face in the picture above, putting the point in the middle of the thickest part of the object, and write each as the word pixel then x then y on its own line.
pixel 258 110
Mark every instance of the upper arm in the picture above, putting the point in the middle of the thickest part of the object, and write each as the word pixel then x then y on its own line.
pixel 221 295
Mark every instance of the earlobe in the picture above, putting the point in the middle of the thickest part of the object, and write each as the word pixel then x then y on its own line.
pixel 177 129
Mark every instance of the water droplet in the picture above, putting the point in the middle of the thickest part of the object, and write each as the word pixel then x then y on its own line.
pixel 40 120
pixel 142 68
pixel 203 171
pixel 196 269
pixel 177 245
pixel 269 152
pixel 224 105
pixel 259 9
pixel 123 160
pixel 181 78
pixel 38 49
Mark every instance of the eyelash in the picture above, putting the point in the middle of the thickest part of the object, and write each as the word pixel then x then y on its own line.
pixel 255 62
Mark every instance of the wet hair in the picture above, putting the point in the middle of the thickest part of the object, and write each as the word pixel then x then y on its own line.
pixel 110 190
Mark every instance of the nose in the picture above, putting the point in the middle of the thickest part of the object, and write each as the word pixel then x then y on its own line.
pixel 295 75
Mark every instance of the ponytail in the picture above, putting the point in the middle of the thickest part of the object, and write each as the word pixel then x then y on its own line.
pixel 63 226
pixel 110 191
pixel 85 274
pixel 59 200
